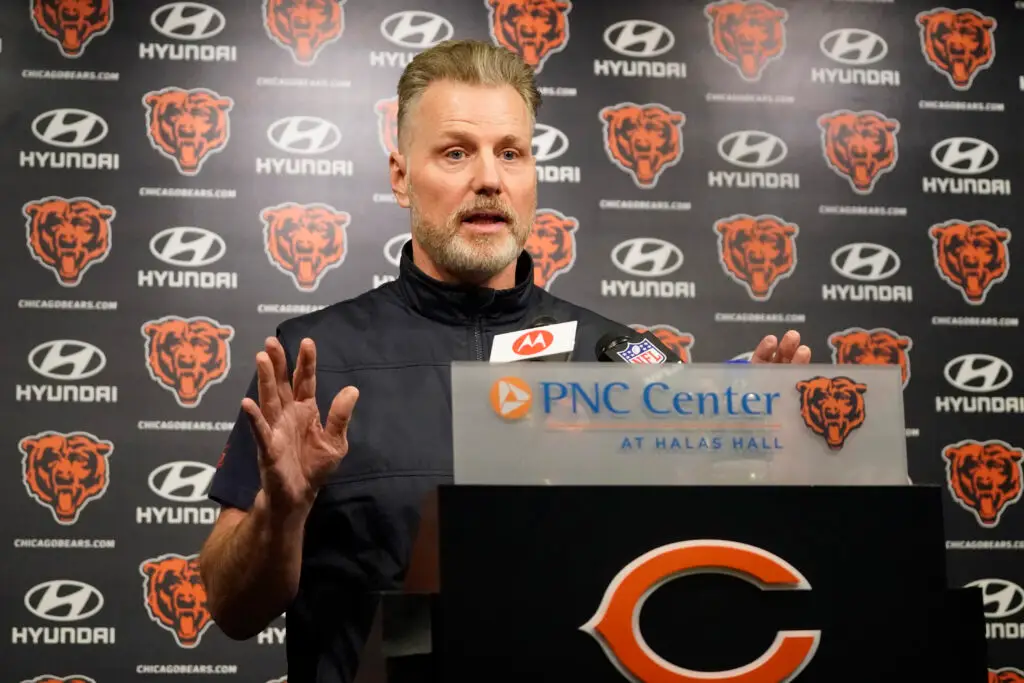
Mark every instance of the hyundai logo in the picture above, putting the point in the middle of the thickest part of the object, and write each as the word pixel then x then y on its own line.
pixel 647 257
pixel 978 373
pixel 549 143
pixel 70 128
pixel 853 46
pixel 182 481
pixel 187 21
pixel 393 248
pixel 416 29
pixel 1001 598
pixel 964 156
pixel 865 261
pixel 67 360
pixel 639 38
pixel 187 247
pixel 304 135
pixel 752 149
pixel 63 600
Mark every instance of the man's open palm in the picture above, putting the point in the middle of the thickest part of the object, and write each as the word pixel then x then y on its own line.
pixel 296 452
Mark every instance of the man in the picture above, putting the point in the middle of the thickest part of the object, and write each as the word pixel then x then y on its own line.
pixel 320 506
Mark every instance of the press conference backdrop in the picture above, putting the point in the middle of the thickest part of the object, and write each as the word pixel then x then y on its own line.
pixel 179 177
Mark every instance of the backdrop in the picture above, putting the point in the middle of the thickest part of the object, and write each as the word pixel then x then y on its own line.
pixel 717 172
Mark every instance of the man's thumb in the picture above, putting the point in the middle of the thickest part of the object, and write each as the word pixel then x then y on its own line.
pixel 341 413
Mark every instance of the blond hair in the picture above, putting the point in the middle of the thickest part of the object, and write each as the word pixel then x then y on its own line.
pixel 472 62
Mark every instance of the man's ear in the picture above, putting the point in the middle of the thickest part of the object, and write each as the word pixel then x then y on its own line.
pixel 398 170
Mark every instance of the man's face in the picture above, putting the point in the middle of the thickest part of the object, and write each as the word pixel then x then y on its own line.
pixel 468 176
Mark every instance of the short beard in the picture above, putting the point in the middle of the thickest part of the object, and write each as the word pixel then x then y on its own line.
pixel 473 259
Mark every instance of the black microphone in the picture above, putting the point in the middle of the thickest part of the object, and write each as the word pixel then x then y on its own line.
pixel 634 347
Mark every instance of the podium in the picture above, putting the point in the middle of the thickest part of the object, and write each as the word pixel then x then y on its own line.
pixel 678 524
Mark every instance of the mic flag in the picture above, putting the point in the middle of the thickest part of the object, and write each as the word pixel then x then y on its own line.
pixel 551 342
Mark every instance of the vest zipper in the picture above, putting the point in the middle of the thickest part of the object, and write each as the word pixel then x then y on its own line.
pixel 478 341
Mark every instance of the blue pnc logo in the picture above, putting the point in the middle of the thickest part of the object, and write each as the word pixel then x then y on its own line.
pixel 655 416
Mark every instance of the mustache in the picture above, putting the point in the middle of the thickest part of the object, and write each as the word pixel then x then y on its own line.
pixel 487 205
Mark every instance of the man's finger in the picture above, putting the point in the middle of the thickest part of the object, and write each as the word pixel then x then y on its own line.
pixel 304 378
pixel 765 350
pixel 260 429
pixel 787 347
pixel 802 356
pixel 270 401
pixel 276 353
pixel 340 414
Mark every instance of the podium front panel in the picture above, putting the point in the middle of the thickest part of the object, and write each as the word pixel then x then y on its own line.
pixel 546 583
pixel 696 424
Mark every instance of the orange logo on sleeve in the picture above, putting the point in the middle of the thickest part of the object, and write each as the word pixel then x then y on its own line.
pixel 958 44
pixel 748 34
pixel 616 624
pixel 971 256
pixel 533 29
pixel 859 146
pixel 387 124
pixel 678 342
pixel 303 27
pixel 72 24
pixel 643 139
pixel 68 236
pixel 305 241
pixel 1006 674
pixel 187 126
pixel 984 477
pixel 832 407
pixel 552 245
pixel 187 356
pixel 64 472
pixel 880 346
pixel 175 597
pixel 757 251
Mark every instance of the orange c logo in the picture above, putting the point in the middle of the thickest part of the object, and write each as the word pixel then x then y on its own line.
pixel 615 625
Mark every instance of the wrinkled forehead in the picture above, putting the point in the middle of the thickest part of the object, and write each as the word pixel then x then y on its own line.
pixel 478 113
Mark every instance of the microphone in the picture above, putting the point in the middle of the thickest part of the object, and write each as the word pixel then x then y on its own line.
pixel 642 349
pixel 545 340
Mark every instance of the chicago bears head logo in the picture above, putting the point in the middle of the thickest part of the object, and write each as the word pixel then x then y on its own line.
pixel 187 356
pixel 748 34
pixel 678 342
pixel 64 472
pixel 72 24
pixel 533 29
pixel 46 678
pixel 305 241
pixel 175 597
pixel 958 44
pixel 68 236
pixel 971 256
pixel 387 124
pixel 832 407
pixel 304 27
pixel 552 245
pixel 187 126
pixel 1005 675
pixel 984 477
pixel 879 346
pixel 643 139
pixel 757 251
pixel 859 146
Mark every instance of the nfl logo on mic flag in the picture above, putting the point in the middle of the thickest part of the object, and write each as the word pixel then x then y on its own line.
pixel 642 352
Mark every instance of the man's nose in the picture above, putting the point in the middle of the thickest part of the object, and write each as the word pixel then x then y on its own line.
pixel 486 175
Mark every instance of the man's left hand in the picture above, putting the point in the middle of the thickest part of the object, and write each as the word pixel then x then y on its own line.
pixel 789 350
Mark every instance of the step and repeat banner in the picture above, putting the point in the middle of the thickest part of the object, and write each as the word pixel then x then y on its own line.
pixel 178 177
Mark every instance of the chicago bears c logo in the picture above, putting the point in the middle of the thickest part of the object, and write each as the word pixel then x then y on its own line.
pixel 305 241
pixel 533 29
pixel 187 126
pixel 880 346
pixel 552 245
pixel 957 44
pixel 175 597
pixel 757 251
pixel 832 407
pixel 859 146
pixel 187 356
pixel 68 236
pixel 72 24
pixel 387 124
pixel 678 342
pixel 984 477
pixel 64 472
pixel 303 27
pixel 643 139
pixel 1006 674
pixel 748 34
pixel 971 256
